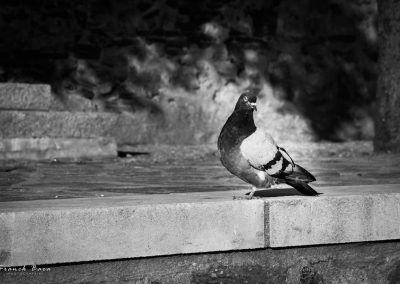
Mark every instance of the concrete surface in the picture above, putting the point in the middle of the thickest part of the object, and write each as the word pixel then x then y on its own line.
pixel 83 229
pixel 51 148
pixel 177 169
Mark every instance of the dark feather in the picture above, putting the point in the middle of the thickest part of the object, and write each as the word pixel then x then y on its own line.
pixel 277 157
pixel 302 187
pixel 302 174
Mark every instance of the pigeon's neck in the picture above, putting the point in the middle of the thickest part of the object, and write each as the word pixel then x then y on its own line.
pixel 244 121
pixel 238 127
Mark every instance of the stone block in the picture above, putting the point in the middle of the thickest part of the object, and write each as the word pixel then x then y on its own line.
pixel 138 128
pixel 335 219
pixel 56 235
pixel 25 96
pixel 50 148
pixel 37 124
pixel 19 96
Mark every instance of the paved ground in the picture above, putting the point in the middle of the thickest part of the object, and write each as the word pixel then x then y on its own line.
pixel 166 169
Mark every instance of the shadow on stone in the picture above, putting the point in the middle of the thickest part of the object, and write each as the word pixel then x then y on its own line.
pixel 124 154
pixel 276 192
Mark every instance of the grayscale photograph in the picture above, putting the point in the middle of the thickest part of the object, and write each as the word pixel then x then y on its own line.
pixel 215 141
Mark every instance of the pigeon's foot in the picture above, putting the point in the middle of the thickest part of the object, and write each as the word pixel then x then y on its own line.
pixel 248 197
pixel 253 190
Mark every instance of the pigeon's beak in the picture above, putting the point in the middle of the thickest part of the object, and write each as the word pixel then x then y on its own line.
pixel 254 106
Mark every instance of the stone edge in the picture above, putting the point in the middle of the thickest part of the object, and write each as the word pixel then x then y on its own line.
pixel 22 243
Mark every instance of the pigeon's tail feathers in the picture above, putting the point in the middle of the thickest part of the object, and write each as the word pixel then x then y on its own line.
pixel 299 179
pixel 302 174
pixel 302 187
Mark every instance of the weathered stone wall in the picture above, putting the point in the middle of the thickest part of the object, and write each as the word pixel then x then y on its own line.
pixel 373 263
pixel 185 63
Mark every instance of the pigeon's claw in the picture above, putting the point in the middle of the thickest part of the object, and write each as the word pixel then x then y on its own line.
pixel 248 197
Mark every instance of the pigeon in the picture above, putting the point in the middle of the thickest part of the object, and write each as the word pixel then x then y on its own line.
pixel 252 154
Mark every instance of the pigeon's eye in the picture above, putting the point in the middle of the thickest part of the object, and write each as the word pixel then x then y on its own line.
pixel 245 99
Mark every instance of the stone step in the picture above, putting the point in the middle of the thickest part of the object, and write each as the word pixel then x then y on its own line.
pixel 37 124
pixel 19 96
pixel 138 128
pixel 52 148
pixel 25 96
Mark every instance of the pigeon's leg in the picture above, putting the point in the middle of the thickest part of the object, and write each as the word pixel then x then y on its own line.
pixel 247 197
pixel 270 182
pixel 253 190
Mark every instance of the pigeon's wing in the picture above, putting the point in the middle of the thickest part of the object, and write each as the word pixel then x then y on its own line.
pixel 261 151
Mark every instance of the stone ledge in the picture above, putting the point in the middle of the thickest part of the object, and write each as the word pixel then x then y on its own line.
pixel 50 148
pixel 86 234
pixel 85 229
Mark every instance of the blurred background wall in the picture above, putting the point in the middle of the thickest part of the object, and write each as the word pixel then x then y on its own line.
pixel 183 64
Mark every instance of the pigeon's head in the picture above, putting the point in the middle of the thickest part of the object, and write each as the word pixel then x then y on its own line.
pixel 247 101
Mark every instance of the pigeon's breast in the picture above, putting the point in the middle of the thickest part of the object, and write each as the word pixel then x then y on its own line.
pixel 259 149
pixel 237 128
pixel 235 163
